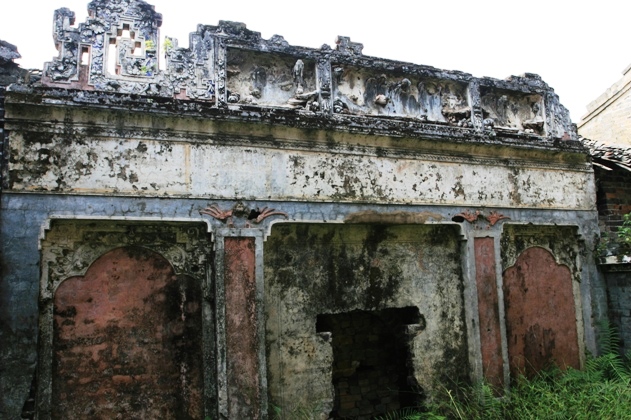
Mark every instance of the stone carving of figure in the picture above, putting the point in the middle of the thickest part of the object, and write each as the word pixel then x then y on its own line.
pixel 66 67
pixel 259 80
pixel 455 109
pixel 534 125
pixel 298 76
pixel 430 101
pixel 502 108
pixel 376 90
pixel 403 96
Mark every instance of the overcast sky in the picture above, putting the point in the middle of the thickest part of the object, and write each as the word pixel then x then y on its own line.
pixel 579 48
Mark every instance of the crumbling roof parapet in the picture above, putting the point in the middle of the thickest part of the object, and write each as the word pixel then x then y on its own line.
pixel 11 72
pixel 447 135
pixel 8 52
pixel 230 66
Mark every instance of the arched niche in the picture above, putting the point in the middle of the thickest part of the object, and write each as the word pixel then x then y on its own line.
pixel 541 324
pixel 126 326
pixel 126 340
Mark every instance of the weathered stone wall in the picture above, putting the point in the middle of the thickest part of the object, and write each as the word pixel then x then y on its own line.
pixel 607 118
pixel 327 269
pixel 30 212
pixel 193 157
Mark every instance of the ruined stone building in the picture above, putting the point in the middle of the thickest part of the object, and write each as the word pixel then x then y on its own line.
pixel 262 226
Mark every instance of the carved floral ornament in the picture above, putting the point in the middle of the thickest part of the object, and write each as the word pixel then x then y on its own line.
pixel 241 211
pixel 472 217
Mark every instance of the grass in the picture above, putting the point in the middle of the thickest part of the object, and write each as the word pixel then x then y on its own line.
pixel 600 391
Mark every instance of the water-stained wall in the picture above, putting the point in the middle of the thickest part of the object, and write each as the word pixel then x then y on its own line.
pixel 269 79
pixel 200 158
pixel 329 269
pixel 369 92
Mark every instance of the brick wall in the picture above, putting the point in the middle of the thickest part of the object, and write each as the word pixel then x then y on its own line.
pixel 614 201
pixel 619 295
pixel 540 314
pixel 613 196
pixel 607 119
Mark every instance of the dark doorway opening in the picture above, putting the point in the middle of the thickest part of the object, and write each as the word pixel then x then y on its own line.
pixel 372 371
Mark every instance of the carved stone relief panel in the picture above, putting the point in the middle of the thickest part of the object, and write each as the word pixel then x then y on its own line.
pixel 135 53
pixel 71 246
pixel 369 92
pixel 562 241
pixel 454 107
pixel 270 79
pixel 191 70
pixel 323 72
pixel 128 39
pixel 513 111
pixel 115 49
pixel 65 67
